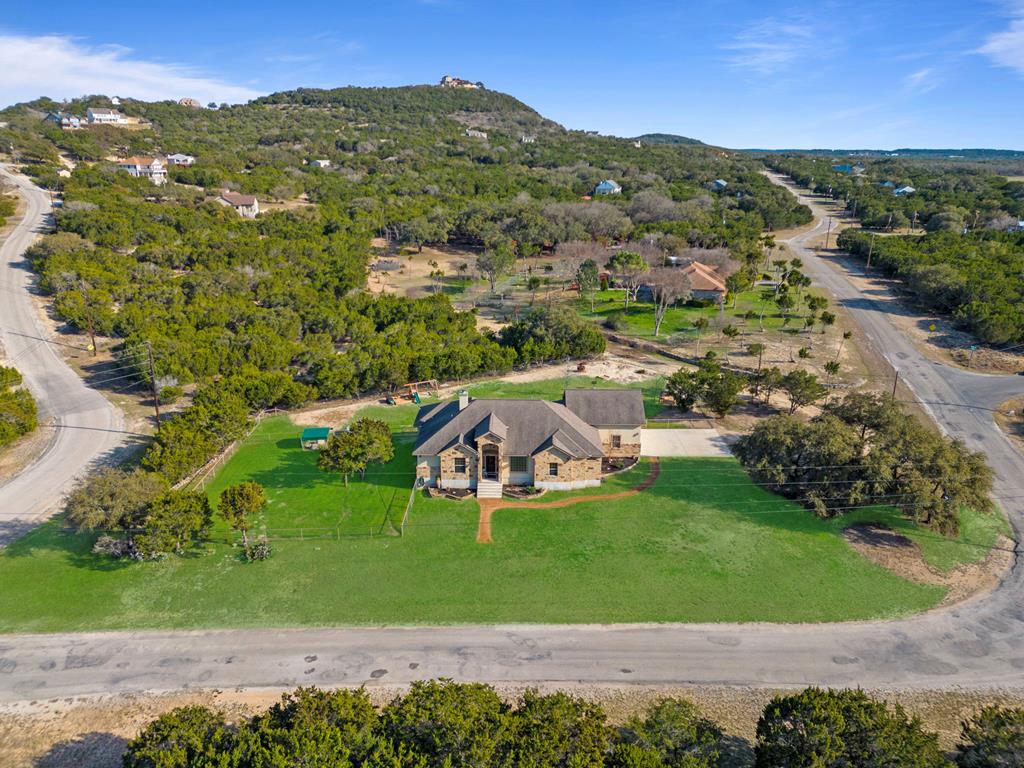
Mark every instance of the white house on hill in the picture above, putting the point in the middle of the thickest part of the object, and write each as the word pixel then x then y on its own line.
pixel 151 168
pixel 101 115
pixel 181 159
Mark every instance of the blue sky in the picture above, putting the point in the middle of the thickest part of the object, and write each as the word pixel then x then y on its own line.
pixel 738 74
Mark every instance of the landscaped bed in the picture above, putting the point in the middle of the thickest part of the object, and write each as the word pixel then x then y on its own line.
pixel 702 544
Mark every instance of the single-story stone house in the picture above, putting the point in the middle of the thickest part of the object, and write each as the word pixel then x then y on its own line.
pixel 484 444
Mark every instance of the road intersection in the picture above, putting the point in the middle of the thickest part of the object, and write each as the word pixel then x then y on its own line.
pixel 977 644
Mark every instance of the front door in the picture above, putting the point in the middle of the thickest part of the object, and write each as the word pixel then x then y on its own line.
pixel 490 466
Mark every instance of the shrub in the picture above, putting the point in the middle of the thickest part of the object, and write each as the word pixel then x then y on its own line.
pixel 992 739
pixel 258 550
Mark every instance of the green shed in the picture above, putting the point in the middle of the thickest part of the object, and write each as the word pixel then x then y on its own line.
pixel 314 438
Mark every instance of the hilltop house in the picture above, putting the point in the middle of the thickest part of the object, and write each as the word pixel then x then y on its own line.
pixel 888 184
pixel 151 168
pixel 486 444
pixel 181 159
pixel 457 82
pixel 188 101
pixel 475 134
pixel 608 187
pixel 99 115
pixel 719 185
pixel 904 191
pixel 247 206
pixel 320 163
pixel 65 120
pixel 527 139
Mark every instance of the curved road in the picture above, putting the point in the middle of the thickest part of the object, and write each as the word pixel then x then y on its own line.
pixel 978 644
pixel 84 427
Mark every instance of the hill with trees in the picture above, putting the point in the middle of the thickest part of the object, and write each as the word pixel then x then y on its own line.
pixel 273 311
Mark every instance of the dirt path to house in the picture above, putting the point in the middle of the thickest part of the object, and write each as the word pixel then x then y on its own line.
pixel 489 506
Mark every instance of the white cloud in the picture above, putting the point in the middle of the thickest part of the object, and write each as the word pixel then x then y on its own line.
pixel 63 67
pixel 921 81
pixel 771 46
pixel 1006 48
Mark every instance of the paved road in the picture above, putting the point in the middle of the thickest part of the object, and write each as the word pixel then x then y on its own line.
pixel 979 644
pixel 82 425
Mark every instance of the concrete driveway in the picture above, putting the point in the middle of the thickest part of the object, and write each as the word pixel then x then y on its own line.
pixel 666 443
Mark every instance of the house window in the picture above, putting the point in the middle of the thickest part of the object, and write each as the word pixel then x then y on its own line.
pixel 517 464
pixel 460 466
pixel 616 441
pixel 553 469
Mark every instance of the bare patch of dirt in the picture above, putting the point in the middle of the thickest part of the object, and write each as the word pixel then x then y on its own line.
pixel 91 732
pixel 898 554
pixel 1010 418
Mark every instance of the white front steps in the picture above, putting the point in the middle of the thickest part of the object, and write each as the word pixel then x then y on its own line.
pixel 488 489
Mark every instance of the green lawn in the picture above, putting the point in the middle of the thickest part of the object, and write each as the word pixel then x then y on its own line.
pixel 703 544
pixel 639 318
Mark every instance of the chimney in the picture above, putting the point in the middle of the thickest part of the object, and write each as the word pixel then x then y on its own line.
pixel 463 399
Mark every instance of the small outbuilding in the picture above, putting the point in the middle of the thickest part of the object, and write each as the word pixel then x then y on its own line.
pixel 608 187
pixel 314 438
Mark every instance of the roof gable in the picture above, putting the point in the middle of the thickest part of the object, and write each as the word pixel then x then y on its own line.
pixel 522 425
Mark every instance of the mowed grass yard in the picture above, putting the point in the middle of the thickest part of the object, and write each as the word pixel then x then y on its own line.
pixel 704 544
pixel 638 319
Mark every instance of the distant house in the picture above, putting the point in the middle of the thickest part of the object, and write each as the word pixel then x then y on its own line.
pixel 904 191
pixel 719 185
pixel 1019 227
pixel 888 184
pixel 525 139
pixel 151 168
pixel 115 101
pixel 457 82
pixel 189 102
pixel 475 134
pixel 320 163
pixel 842 168
pixel 65 120
pixel 487 444
pixel 100 115
pixel 705 281
pixel 180 159
pixel 247 206
pixel 608 187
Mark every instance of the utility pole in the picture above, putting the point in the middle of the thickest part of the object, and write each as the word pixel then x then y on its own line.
pixel 895 381
pixel 89 317
pixel 829 232
pixel 888 224
pixel 871 250
pixel 970 358
pixel 152 380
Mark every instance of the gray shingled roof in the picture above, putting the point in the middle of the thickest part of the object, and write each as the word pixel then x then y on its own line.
pixel 607 407
pixel 530 424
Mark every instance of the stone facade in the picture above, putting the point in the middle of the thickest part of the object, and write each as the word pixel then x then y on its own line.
pixel 629 441
pixel 572 473
pixel 448 477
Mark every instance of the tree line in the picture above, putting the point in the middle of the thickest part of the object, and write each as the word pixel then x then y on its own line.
pixel 467 725
pixel 864 450
pixel 18 414
pixel 973 277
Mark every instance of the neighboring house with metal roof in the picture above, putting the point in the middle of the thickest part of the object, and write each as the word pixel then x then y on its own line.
pixel 904 191
pixel 608 187
pixel 485 444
